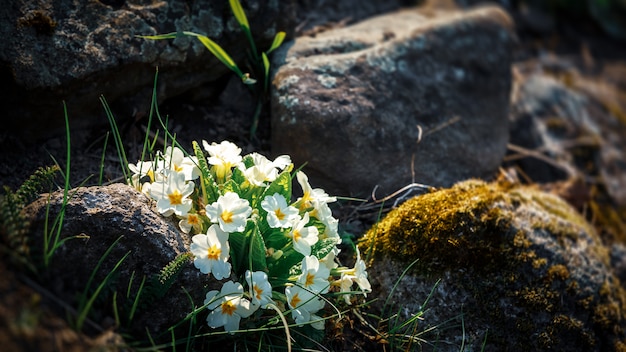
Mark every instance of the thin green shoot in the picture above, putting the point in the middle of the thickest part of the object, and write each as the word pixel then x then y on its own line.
pixel 83 300
pixel 278 40
pixel 104 149
pixel 117 138
pixel 52 242
pixel 212 46
pixel 484 345
pixel 192 323
pixel 67 185
pixel 116 314
pixel 395 286
pixel 153 106
pixel 284 321
pixel 89 303
pixel 130 284
pixel 240 15
pixel 133 309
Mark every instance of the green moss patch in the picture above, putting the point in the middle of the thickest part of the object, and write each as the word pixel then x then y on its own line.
pixel 535 271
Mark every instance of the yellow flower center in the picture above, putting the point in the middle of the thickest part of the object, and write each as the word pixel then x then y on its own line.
pixel 295 300
pixel 227 216
pixel 150 174
pixel 279 214
pixel 214 252
pixel 257 292
pixel 296 236
pixel 306 200
pixel 193 219
pixel 309 279
pixel 178 168
pixel 176 198
pixel 228 308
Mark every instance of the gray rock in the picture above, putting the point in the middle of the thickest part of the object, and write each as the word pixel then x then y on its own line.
pixel 102 215
pixel 520 270
pixel 353 102
pixel 75 51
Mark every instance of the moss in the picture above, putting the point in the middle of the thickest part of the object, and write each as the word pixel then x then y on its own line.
pixel 466 226
pixel 474 230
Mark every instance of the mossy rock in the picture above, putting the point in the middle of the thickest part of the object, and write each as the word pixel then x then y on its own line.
pixel 520 270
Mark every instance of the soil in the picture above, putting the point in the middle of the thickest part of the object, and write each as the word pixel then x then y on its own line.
pixel 225 118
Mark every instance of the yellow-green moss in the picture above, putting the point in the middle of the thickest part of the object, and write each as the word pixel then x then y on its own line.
pixel 473 230
pixel 464 225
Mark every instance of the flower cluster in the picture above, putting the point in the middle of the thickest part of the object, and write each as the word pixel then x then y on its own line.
pixel 272 251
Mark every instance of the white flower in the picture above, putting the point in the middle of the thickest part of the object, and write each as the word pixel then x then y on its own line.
pixel 311 195
pixel 314 276
pixel 230 212
pixel 263 169
pixel 172 194
pixel 322 212
pixel 260 288
pixel 175 159
pixel 279 213
pixel 359 275
pixel 223 157
pixel 304 305
pixel 139 170
pixel 191 221
pixel 228 307
pixel 329 259
pixel 303 236
pixel 345 284
pixel 211 252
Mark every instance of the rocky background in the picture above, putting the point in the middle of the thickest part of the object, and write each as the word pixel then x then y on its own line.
pixel 382 101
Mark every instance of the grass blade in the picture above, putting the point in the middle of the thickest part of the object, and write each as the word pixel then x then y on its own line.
pixel 240 15
pixel 278 40
pixel 85 310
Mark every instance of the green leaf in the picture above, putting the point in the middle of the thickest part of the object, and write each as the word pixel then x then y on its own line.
pixel 219 53
pixel 278 40
pixel 210 188
pixel 275 238
pixel 247 250
pixel 238 176
pixel 232 186
pixel 247 161
pixel 172 35
pixel 281 185
pixel 323 247
pixel 281 268
pixel 235 5
pixel 213 47
pixel 266 70
pixel 257 251
pixel 237 241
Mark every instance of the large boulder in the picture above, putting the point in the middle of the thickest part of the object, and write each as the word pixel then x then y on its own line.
pixel 76 51
pixel 407 96
pixel 120 217
pixel 520 270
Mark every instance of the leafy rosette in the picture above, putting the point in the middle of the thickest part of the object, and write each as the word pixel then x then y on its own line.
pixel 273 250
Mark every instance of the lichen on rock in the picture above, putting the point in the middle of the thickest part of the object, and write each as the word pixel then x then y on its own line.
pixel 520 267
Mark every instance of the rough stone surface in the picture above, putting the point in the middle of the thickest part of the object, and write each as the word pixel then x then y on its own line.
pixel 104 214
pixel 353 102
pixel 75 51
pixel 520 270
pixel 569 125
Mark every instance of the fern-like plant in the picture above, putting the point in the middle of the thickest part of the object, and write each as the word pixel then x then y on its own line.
pixel 13 224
